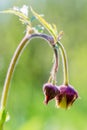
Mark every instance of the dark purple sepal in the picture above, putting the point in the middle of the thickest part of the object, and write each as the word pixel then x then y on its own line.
pixel 66 97
pixel 50 92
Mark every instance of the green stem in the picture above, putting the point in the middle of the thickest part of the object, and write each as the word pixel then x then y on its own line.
pixel 65 64
pixel 13 62
pixel 10 71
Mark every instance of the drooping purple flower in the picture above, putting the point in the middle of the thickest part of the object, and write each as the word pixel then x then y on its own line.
pixel 50 92
pixel 66 97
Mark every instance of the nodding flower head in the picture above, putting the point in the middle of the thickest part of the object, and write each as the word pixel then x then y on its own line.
pixel 66 97
pixel 50 92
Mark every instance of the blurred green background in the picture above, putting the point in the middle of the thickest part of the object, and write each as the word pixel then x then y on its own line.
pixel 25 101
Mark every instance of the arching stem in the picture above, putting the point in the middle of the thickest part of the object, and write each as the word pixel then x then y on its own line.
pixel 14 60
pixel 10 71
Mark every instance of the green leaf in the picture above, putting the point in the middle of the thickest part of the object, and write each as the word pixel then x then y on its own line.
pixel 34 18
pixel 51 29
pixel 60 35
pixel 22 17
pixel 3 114
pixel 39 28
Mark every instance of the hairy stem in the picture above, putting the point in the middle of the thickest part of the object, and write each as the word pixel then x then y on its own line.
pixel 14 60
pixel 56 60
pixel 65 64
pixel 55 67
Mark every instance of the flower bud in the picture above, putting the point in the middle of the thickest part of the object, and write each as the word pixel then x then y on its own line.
pixel 50 91
pixel 66 97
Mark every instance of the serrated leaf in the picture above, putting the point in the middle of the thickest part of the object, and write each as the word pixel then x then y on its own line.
pixel 51 30
pixel 23 18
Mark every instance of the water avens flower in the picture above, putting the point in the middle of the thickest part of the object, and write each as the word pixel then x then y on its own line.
pixel 66 97
pixel 50 92
pixel 65 94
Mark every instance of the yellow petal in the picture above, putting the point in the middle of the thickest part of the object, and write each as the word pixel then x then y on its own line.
pixel 63 103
